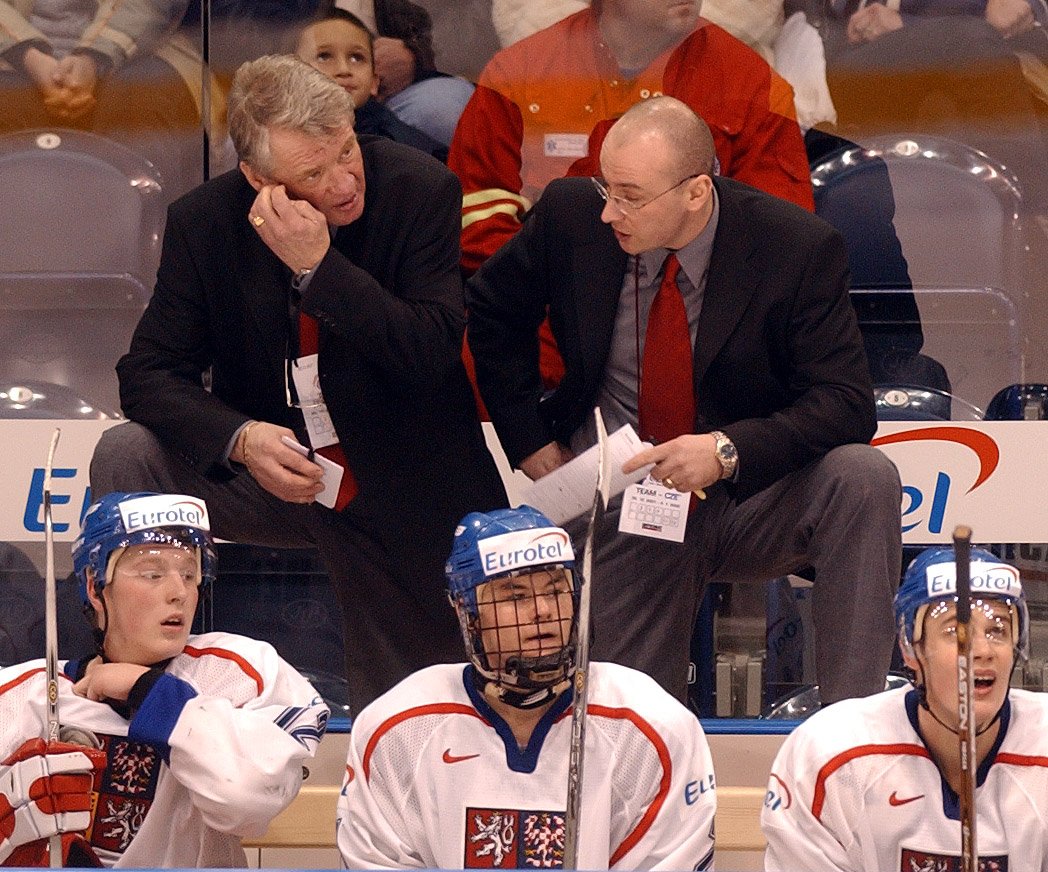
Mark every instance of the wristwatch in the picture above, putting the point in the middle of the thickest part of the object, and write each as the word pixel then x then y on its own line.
pixel 301 275
pixel 726 454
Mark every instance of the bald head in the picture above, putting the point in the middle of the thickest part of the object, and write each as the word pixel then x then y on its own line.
pixel 666 120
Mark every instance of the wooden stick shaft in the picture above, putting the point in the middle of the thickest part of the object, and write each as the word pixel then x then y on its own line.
pixel 962 545
pixel 51 627
pixel 576 756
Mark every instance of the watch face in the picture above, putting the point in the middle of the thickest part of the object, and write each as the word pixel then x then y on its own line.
pixel 727 455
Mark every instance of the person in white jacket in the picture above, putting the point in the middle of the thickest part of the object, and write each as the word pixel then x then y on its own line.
pixel 873 783
pixel 466 766
pixel 172 746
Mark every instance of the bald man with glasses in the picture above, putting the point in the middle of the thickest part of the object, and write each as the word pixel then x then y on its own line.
pixel 715 319
pixel 625 204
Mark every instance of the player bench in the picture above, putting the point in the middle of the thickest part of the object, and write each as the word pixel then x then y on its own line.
pixel 309 822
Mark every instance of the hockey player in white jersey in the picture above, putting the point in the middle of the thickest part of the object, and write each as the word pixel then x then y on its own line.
pixel 199 740
pixel 465 766
pixel 872 784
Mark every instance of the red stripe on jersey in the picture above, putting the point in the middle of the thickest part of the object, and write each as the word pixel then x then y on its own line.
pixel 439 708
pixel 1021 760
pixel 245 667
pixel 851 754
pixel 653 810
pixel 25 676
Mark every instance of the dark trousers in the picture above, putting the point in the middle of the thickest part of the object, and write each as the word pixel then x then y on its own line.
pixel 393 624
pixel 839 516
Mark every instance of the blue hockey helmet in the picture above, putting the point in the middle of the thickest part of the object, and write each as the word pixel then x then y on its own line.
pixel 506 543
pixel 931 578
pixel 476 556
pixel 120 520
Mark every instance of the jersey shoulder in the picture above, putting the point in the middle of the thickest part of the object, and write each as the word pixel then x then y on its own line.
pixel 227 664
pixel 23 703
pixel 230 646
pixel 852 725
pixel 22 682
pixel 435 690
pixel 842 750
pixel 18 673
pixel 392 734
pixel 1028 728
pixel 619 689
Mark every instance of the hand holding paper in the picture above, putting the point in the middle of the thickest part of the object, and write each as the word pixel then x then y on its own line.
pixel 567 492
pixel 686 464
pixel 332 472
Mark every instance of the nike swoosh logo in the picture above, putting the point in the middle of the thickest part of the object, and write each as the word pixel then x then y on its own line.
pixel 454 758
pixel 894 799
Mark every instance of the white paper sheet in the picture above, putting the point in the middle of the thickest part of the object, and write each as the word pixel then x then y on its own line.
pixel 332 473
pixel 567 492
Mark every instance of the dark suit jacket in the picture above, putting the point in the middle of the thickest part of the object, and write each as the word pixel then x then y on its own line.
pixel 779 365
pixel 388 296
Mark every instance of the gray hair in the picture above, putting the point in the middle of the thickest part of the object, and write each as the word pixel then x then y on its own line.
pixel 689 137
pixel 282 91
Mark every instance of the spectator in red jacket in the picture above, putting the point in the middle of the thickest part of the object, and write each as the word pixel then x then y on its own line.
pixel 543 105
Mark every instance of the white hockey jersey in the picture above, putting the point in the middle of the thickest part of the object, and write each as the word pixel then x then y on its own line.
pixel 854 788
pixel 213 754
pixel 435 779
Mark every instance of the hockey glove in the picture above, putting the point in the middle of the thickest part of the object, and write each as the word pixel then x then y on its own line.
pixel 45 789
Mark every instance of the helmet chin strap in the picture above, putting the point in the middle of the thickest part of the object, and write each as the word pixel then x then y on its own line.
pixel 536 693
pixel 517 697
pixel 954 730
pixel 98 633
pixel 922 699
pixel 525 700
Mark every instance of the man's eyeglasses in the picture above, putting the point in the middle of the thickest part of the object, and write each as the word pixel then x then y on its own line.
pixel 626 205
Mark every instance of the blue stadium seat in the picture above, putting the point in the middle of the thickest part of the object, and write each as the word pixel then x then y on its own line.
pixel 957 211
pixel 1019 402
pixel 80 233
pixel 75 202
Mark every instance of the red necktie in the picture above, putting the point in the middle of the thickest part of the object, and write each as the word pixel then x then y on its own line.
pixel 309 343
pixel 667 395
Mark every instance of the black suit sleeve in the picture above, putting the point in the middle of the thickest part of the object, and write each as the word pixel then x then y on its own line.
pixel 824 376
pixel 161 377
pixel 507 299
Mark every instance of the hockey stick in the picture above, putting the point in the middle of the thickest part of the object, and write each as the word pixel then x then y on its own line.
pixel 578 707
pixel 51 627
pixel 962 546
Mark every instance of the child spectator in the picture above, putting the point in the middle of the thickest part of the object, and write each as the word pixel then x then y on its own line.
pixel 340 45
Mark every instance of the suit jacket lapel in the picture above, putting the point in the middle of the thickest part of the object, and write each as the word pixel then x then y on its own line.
pixel 597 274
pixel 356 239
pixel 730 285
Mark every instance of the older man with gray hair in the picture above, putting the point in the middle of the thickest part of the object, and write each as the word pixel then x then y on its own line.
pixel 318 284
